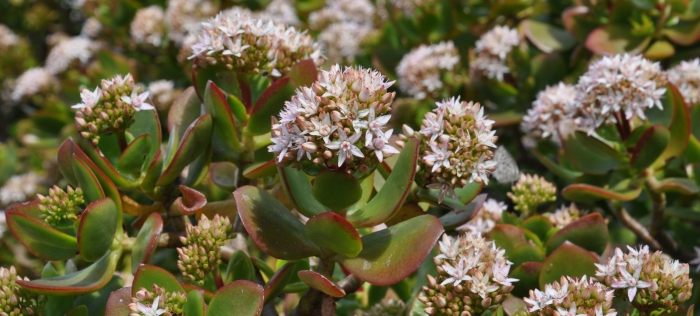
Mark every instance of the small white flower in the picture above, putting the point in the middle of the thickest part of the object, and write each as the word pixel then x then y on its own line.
pixel 481 170
pixel 153 310
pixel 434 126
pixel 500 274
pixel 457 274
pixel 449 247
pixel 557 296
pixel 486 138
pixel 380 146
pixel 346 146
pixel 138 101
pixel 630 282
pixel 324 128
pixel 439 157
pixel 286 141
pixel 481 286
pixel 89 99
pixel 570 312
pixel 539 301
pixel 608 269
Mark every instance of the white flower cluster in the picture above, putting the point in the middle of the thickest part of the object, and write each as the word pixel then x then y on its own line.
pixel 34 81
pixel 251 45
pixel 163 93
pixel 492 51
pixel 620 87
pixel 91 28
pixel 343 25
pixel 19 188
pixel 553 105
pixel 648 278
pixel 486 219
pixel 148 26
pixel 564 215
pixel 422 70
pixel 278 11
pixel 342 115
pixel 183 17
pixel 456 142
pixel 686 76
pixel 67 51
pixel 572 297
pixel 8 38
pixel 472 276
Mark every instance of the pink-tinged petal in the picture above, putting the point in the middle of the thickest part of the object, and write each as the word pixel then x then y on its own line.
pixel 126 99
pixel 356 151
pixel 341 158
pixel 379 154
pixel 619 284
pixel 631 292
pixel 643 284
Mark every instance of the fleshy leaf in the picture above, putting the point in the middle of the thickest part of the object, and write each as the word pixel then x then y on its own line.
pixel 193 143
pixel 336 189
pixel 507 236
pixel 304 73
pixel 679 185
pixel 98 225
pixel 224 124
pixel 660 50
pixel 225 79
pixel 118 302
pixel 92 190
pixel 537 224
pixel 146 240
pixel 546 37
pixel 135 155
pixel 84 281
pixel 331 231
pixel 389 199
pixel 587 152
pixel 581 192
pixel 528 275
pixel 240 268
pixel 147 275
pixel 650 146
pixel 319 282
pixel 526 252
pixel 147 123
pixel 270 103
pixel 298 189
pixel 390 255
pixel 260 170
pixel 185 110
pixel 224 174
pixel 99 164
pixel 453 220
pixel 684 33
pixel 278 281
pixel 39 238
pixel 273 228
pixel 469 192
pixel 240 298
pixel 65 161
pixel 194 306
pixel 615 39
pixel 559 264
pixel 406 212
pixel 148 183
pixel 555 168
pixel 190 202
pixel 680 123
pixel 81 310
pixel 589 232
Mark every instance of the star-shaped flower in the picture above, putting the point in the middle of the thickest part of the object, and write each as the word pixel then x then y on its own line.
pixel 346 146
pixel 457 274
pixel 89 99
pixel 631 282
pixel 138 101
pixel 153 310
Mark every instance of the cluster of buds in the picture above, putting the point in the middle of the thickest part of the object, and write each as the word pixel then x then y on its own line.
pixel 531 191
pixel 619 88
pixel 35 82
pixel 553 105
pixel 111 108
pixel 455 146
pixel 61 207
pixel 249 45
pixel 337 122
pixel 388 307
pixel 14 300
pixel 493 51
pixel 686 76
pixel 472 277
pixel 572 296
pixel 564 215
pixel 486 219
pixel 148 26
pixel 427 71
pixel 157 302
pixel 650 279
pixel 201 253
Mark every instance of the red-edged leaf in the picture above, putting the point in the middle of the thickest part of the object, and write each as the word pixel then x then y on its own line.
pixel 224 124
pixel 298 190
pixel 146 240
pixel 65 161
pixel 580 192
pixel 649 147
pixel 98 225
pixel 321 283
pixel 333 232
pixel 147 275
pixel 270 103
pixel 679 185
pixel 185 110
pixel 589 232
pixel 118 302
pixel 193 142
pixel 190 202
pixel 240 298
pixel 39 238
pixel 275 285
pixel 304 73
pixel 615 39
pixel 261 170
pixel 559 264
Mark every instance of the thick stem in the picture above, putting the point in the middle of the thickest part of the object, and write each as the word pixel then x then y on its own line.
pixel 121 139
pixel 314 302
pixel 350 284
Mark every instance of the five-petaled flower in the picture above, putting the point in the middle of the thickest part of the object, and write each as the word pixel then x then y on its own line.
pixel 138 101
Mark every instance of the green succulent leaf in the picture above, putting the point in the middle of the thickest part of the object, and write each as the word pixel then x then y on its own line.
pixel 98 225
pixel 273 228
pixel 84 281
pixel 679 185
pixel 389 199
pixel 336 190
pixel 298 189
pixel 39 238
pixel 679 127
pixel 193 143
pixel 469 192
pixel 146 240
pixel 559 264
pixel 546 37
pixel 589 153
pixel 616 39
pixel 684 33
pixel 261 170
pixel 147 275
pixel 118 302
pixel 589 232
pixel 537 224
pixel 555 168
pixel 275 286
pixel 148 183
pixel 99 164
pixel 331 231
pixel 321 283
pixel 650 146
pixel 92 190
pixel 240 298
pixel 194 306
pixel 185 110
pixel 660 50
pixel 507 237
pixel 390 255
pixel 526 252
pixel 215 103
pixel 453 219
pixel 224 79
pixel 304 73
pixel 135 155
pixel 270 103
pixel 528 275
pixel 240 268
pixel 81 310
pixel 147 123
pixel 65 161
pixel 581 192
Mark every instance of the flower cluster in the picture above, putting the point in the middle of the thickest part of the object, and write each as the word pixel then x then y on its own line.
pixel 61 206
pixel 388 307
pixel 343 26
pixel 531 191
pixel 7 38
pixel 493 50
pixel 278 11
pixel 570 297
pixel 201 253
pixel 337 122
pixel 647 278
pixel 564 215
pixel 34 81
pixel 686 76
pixel 163 94
pixel 65 53
pixel 455 148
pixel 486 219
pixel 14 300
pixel 553 105
pixel 157 302
pixel 427 71
pixel 91 28
pixel 19 188
pixel 472 277
pixel 148 26
pixel 183 17
pixel 110 108
pixel 253 46
pixel 619 88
